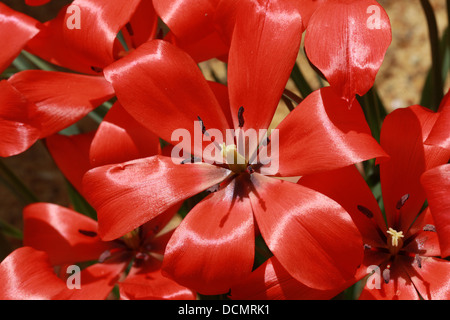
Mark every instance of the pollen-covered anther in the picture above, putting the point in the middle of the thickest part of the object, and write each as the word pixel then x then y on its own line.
pixel 395 237
pixel 235 161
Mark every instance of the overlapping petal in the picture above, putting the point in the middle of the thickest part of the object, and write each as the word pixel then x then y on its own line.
pixel 355 36
pixel 263 50
pixel 311 235
pixel 321 134
pixel 436 183
pixel 439 135
pixel 61 98
pixel 18 126
pixel 17 29
pixel 26 274
pixel 211 251
pixel 403 134
pixel 65 235
pixel 129 194
pixel 162 87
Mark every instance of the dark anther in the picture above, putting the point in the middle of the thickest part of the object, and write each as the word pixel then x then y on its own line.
pixel 386 275
pixel 402 201
pixel 365 211
pixel 96 69
pixel 129 29
pixel 201 123
pixel 214 188
pixel 88 233
pixel 241 116
pixel 418 260
pixel 429 227
pixel 250 169
pixel 191 160
pixel 367 246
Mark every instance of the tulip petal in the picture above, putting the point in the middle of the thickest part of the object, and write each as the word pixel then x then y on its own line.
pixel 162 88
pixel 321 134
pixel 347 187
pixel 356 35
pixel 439 134
pixel 71 155
pixel 120 138
pixel 18 29
pixel 311 235
pixel 432 279
pixel 26 274
pixel 403 134
pixel 264 47
pixel 18 128
pixel 210 251
pixel 65 235
pixel 128 195
pixel 147 283
pixel 436 183
pixel 61 98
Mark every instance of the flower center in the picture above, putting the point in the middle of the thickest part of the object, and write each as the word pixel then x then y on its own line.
pixel 132 240
pixel 394 240
pixel 235 161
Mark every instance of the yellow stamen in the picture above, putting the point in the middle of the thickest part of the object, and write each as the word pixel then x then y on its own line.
pixel 236 162
pixel 131 239
pixel 395 236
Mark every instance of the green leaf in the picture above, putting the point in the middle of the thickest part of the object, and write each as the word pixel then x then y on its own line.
pixel 300 81
pixel 79 203
pixel 10 230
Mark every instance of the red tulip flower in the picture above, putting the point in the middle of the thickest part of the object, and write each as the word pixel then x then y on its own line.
pixel 70 238
pixel 213 248
pixel 405 246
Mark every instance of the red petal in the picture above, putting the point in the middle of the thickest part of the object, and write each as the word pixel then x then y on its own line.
pixel 403 135
pixel 17 29
pixel 211 251
pixel 192 24
pixel 439 134
pixel 311 235
pixel 26 274
pixel 399 286
pixel 322 134
pixel 348 188
pixel 263 50
pixel 307 9
pixel 147 283
pixel 162 87
pixel 432 280
pixel 128 195
pixel 424 243
pixel 93 42
pixel 18 129
pixel 61 98
pixel 120 138
pixel 61 233
pixel 436 183
pixel 272 282
pixel 97 281
pixel 71 155
pixel 355 37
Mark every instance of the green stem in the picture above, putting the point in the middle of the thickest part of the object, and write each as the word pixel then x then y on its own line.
pixel 10 230
pixel 438 87
pixel 16 185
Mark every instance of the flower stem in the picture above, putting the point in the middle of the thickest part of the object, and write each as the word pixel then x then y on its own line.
pixel 8 178
pixel 438 87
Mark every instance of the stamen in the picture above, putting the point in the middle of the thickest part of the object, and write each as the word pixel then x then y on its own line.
pixel 429 227
pixel 96 69
pixel 241 117
pixel 105 255
pixel 87 233
pixel 402 201
pixel 365 211
pixel 395 236
pixel 236 162
pixel 418 260
pixel 387 274
pixel 201 123
pixel 367 246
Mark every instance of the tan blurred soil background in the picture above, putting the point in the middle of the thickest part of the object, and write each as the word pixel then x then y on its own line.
pixel 399 82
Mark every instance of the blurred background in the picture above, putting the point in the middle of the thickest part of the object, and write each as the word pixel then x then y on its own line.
pixel 399 83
